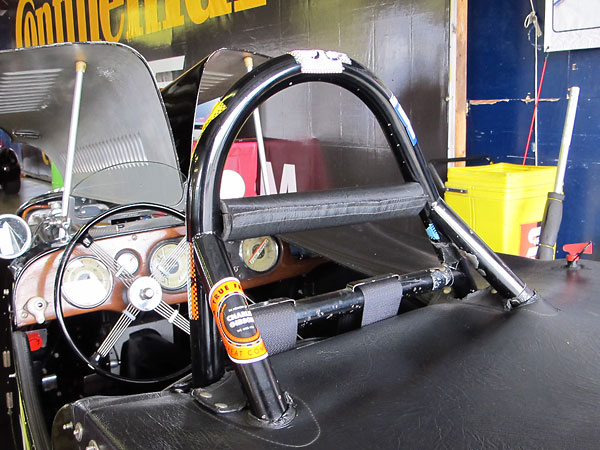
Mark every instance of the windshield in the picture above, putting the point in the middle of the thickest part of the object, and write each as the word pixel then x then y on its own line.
pixel 134 181
pixel 124 148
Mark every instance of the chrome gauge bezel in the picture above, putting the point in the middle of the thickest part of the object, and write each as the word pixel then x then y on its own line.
pixel 18 236
pixel 151 257
pixel 134 254
pixel 109 278
pixel 273 257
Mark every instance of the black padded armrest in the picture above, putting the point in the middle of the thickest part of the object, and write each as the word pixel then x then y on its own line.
pixel 276 214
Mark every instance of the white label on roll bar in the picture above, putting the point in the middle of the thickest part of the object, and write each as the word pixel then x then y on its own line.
pixel 320 61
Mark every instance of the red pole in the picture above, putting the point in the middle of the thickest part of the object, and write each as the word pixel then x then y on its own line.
pixel 534 110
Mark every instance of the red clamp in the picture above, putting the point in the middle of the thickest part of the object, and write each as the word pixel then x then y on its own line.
pixel 576 250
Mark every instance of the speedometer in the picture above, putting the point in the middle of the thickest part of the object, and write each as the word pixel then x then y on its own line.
pixel 169 264
pixel 87 282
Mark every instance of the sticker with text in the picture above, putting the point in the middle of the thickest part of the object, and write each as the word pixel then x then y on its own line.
pixel 235 322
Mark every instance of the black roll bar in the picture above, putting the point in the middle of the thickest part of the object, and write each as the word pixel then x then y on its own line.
pixel 205 223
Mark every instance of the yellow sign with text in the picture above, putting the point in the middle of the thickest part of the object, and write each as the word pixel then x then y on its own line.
pixel 39 23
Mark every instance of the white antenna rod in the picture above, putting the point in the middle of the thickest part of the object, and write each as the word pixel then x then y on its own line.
pixel 80 70
pixel 262 157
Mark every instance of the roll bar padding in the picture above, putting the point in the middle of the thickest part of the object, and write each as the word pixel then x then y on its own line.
pixel 287 213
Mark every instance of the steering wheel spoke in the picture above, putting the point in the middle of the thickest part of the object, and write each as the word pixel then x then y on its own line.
pixel 111 263
pixel 127 316
pixel 172 316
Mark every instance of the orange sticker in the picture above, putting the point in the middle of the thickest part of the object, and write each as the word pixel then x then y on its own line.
pixel 193 291
pixel 235 322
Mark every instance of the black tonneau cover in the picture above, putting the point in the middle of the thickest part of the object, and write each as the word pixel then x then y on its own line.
pixel 460 375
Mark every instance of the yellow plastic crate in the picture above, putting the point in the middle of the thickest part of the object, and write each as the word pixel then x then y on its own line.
pixel 504 203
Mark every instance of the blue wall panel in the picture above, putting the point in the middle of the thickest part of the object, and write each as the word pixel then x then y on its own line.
pixel 501 67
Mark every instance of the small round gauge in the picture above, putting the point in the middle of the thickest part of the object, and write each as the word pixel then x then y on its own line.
pixel 260 254
pixel 169 265
pixel 129 260
pixel 87 282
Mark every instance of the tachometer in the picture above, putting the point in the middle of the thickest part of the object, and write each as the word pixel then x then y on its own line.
pixel 87 282
pixel 169 264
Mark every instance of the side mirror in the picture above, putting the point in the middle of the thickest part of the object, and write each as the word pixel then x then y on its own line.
pixel 15 236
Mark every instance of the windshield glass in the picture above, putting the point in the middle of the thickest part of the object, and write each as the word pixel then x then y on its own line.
pixel 134 181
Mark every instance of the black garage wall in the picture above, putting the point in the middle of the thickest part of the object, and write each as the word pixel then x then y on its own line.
pixel 404 42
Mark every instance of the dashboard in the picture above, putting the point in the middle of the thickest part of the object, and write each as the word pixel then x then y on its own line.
pixel 156 248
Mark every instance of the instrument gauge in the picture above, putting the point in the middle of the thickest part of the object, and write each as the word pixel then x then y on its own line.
pixel 129 260
pixel 260 254
pixel 169 265
pixel 87 282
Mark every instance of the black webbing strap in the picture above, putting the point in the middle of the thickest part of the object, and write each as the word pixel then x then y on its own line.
pixel 278 325
pixel 382 299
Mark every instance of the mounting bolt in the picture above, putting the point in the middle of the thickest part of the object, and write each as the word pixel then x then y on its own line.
pixel 147 294
pixel 221 405
pixel 78 432
pixel 205 394
pixel 68 426
pixel 92 445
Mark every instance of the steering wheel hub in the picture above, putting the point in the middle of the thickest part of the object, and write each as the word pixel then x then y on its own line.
pixel 145 293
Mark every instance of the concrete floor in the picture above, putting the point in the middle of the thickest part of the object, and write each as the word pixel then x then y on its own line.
pixel 30 187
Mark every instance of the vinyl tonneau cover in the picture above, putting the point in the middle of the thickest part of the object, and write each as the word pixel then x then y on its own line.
pixel 455 375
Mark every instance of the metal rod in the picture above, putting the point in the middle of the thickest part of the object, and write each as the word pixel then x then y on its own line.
pixel 262 154
pixel 80 70
pixel 565 143
pixel 488 263
pixel 335 304
pixel 553 212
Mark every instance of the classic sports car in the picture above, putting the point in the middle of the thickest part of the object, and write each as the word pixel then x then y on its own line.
pixel 302 319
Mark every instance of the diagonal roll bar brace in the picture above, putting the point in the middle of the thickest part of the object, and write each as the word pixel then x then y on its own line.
pixel 205 223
